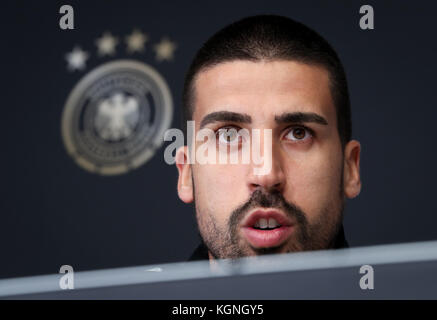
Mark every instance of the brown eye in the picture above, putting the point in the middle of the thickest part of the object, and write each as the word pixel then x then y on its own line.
pixel 227 135
pixel 297 134
pixel 230 135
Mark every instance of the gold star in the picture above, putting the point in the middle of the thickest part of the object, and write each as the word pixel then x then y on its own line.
pixel 165 49
pixel 135 41
pixel 106 44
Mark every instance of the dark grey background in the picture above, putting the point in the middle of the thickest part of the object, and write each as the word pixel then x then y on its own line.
pixel 54 213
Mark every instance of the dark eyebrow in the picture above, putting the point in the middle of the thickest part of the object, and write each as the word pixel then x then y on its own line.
pixel 225 116
pixel 300 117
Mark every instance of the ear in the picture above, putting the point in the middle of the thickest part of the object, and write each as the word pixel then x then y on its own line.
pixel 351 170
pixel 185 183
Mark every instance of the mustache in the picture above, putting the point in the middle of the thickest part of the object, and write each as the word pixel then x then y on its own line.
pixel 274 200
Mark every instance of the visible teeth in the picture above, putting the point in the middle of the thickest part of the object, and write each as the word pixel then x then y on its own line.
pixel 263 223
pixel 273 223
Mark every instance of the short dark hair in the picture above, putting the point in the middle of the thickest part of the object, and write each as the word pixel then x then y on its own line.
pixel 272 37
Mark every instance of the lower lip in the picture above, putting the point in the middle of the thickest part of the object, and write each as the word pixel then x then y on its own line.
pixel 267 238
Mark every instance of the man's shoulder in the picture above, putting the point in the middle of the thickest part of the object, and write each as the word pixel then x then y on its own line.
pixel 200 253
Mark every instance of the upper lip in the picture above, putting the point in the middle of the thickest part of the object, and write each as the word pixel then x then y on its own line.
pixel 257 214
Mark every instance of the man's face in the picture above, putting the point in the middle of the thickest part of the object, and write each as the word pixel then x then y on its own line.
pixel 298 204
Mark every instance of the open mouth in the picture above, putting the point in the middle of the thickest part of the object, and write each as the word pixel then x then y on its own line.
pixel 265 229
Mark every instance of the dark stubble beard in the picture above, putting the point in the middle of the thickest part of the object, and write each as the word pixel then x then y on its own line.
pixel 227 244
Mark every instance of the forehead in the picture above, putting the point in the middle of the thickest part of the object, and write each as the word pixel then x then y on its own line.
pixel 263 89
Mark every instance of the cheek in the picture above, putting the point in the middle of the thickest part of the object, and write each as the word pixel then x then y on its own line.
pixel 219 190
pixel 314 183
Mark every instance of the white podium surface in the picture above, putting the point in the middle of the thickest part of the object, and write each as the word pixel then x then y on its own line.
pixel 400 271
